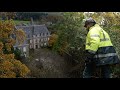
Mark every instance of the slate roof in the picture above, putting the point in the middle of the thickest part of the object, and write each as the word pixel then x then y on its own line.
pixel 27 29
pixel 40 29
pixel 32 30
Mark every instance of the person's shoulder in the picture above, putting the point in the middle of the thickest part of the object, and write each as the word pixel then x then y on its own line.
pixel 95 28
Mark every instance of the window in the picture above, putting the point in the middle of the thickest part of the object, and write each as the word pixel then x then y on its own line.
pixel 48 39
pixel 24 49
pixel 30 41
pixel 38 40
pixel 44 44
pixel 41 40
pixel 35 40
pixel 45 34
pixel 41 34
pixel 41 44
pixel 36 46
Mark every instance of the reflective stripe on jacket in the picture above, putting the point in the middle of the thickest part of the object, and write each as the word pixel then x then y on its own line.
pixel 99 43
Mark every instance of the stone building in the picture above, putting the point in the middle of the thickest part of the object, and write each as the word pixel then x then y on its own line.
pixel 37 36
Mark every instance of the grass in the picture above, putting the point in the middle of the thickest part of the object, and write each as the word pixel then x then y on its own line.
pixel 19 22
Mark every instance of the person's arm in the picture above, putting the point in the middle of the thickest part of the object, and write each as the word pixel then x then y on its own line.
pixel 94 40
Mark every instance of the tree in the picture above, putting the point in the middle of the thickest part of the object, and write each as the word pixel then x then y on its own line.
pixel 8 15
pixel 52 39
pixel 20 36
pixel 17 53
pixel 9 66
pixel 68 30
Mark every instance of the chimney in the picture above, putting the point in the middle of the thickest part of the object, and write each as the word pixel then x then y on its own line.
pixel 32 23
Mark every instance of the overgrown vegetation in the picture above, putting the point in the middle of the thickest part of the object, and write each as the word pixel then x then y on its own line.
pixel 67 38
pixel 71 34
pixel 9 66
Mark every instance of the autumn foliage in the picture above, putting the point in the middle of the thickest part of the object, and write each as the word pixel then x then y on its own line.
pixel 52 39
pixel 9 66
pixel 20 36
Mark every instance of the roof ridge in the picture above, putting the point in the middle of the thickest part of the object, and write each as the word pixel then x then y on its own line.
pixel 39 25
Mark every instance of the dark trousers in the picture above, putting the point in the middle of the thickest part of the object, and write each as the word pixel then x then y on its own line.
pixel 90 70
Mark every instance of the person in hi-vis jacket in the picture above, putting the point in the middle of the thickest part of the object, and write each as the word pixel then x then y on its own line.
pixel 99 49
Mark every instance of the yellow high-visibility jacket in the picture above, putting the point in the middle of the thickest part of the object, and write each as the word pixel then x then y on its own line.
pixel 98 42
